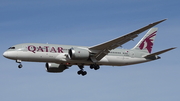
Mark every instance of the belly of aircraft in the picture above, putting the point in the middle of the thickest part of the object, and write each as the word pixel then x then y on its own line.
pixel 63 58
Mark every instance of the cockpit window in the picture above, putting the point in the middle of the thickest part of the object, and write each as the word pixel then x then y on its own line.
pixel 11 48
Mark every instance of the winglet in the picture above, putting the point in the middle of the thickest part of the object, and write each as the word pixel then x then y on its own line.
pixel 160 21
pixel 155 23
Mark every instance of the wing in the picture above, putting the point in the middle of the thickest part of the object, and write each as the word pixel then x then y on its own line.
pixel 103 49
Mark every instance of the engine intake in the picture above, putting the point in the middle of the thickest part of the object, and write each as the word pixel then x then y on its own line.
pixel 78 54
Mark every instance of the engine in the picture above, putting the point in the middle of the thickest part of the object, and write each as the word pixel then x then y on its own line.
pixel 55 68
pixel 79 54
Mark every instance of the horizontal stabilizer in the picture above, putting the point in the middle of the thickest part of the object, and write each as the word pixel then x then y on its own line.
pixel 157 53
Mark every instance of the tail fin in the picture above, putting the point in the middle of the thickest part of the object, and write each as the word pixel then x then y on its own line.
pixel 146 43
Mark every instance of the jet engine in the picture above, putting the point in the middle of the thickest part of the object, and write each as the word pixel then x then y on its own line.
pixel 79 54
pixel 55 68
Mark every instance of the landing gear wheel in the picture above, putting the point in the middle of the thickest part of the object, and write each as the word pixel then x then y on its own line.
pixel 94 66
pixel 84 73
pixel 20 66
pixel 81 72
pixel 97 67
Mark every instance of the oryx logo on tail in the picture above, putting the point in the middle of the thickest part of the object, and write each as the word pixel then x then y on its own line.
pixel 148 42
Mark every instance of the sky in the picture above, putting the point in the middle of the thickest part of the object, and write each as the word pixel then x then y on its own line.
pixel 87 23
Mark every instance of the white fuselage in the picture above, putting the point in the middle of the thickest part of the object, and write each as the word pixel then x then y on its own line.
pixel 59 54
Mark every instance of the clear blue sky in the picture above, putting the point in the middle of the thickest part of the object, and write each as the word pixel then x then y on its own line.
pixel 87 23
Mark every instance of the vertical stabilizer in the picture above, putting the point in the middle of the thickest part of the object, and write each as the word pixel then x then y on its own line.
pixel 146 43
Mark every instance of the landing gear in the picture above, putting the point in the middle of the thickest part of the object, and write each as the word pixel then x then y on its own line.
pixel 94 66
pixel 20 65
pixel 81 72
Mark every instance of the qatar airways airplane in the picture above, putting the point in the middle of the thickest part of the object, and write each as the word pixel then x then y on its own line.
pixel 61 57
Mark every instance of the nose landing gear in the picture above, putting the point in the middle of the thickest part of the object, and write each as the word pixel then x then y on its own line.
pixel 20 65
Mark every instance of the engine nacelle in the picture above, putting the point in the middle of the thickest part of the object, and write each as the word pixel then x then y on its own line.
pixel 78 54
pixel 55 68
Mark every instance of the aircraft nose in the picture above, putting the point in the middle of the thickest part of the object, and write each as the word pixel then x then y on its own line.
pixel 5 54
pixel 10 54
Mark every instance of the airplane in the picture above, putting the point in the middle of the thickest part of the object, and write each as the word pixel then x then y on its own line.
pixel 58 58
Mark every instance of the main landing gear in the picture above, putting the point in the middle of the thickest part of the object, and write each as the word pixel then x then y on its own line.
pixel 83 73
pixel 94 66
pixel 20 65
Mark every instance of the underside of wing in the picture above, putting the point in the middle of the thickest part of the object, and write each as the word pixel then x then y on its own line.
pixel 103 49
